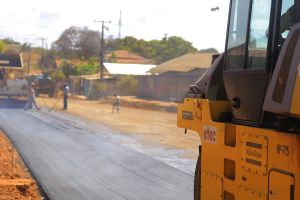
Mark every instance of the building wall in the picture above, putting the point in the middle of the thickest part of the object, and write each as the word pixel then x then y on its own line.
pixel 82 86
pixel 170 86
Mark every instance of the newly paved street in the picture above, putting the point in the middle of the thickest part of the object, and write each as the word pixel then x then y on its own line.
pixel 73 163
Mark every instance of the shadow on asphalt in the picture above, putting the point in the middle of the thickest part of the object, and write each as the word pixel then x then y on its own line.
pixel 12 103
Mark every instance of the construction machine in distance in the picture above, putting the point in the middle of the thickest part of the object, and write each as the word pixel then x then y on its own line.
pixel 246 107
pixel 12 80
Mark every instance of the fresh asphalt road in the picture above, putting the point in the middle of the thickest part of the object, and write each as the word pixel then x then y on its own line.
pixel 71 163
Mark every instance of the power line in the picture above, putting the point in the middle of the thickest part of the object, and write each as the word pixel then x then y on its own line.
pixel 22 22
pixel 29 37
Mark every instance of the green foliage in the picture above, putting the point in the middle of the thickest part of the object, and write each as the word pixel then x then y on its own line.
pixel 67 69
pixel 91 67
pixel 173 47
pixel 134 45
pixel 157 50
pixel 97 91
pixel 2 46
pixel 86 68
pixel 10 41
pixel 82 43
pixel 127 83
pixel 113 58
pixel 209 50
pixel 57 75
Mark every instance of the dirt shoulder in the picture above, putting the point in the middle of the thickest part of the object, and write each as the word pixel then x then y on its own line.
pixel 133 102
pixel 15 180
pixel 151 127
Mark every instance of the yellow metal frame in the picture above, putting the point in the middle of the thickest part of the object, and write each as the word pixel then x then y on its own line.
pixel 250 162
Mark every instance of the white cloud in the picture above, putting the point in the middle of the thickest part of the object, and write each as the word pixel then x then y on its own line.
pixel 190 19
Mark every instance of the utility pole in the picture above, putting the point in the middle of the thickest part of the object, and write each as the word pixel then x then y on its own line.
pixel 43 56
pixel 46 63
pixel 102 46
pixel 120 24
pixel 29 59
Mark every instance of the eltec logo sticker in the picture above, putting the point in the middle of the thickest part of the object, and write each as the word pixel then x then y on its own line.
pixel 210 134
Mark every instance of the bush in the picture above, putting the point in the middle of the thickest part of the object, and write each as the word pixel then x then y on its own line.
pixel 91 67
pixel 97 91
pixel 127 84
pixel 57 75
pixel 67 68
pixel 2 46
pixel 113 58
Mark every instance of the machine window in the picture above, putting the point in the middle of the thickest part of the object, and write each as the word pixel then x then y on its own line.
pixel 287 19
pixel 258 37
pixel 237 35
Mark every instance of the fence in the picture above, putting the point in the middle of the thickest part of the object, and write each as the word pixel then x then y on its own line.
pixel 99 88
pixel 170 86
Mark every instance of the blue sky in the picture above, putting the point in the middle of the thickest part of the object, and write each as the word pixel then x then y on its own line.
pixel 193 20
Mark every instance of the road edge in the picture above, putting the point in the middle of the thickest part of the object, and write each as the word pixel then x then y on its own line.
pixel 27 164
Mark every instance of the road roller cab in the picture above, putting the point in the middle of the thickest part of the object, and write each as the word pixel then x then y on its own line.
pixel 246 107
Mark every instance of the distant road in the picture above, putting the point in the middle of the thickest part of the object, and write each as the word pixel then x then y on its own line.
pixel 73 164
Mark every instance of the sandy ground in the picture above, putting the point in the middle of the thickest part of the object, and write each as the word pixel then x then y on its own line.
pixel 15 181
pixel 150 127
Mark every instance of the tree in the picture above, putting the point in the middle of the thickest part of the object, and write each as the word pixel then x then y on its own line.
pixel 89 43
pixel 67 68
pixel 10 41
pixel 67 43
pixel 173 47
pixel 209 50
pixel 2 46
pixel 113 58
pixel 157 50
pixel 78 42
pixel 83 43
pixel 91 67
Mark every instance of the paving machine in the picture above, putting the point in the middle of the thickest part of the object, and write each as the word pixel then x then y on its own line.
pixel 12 81
pixel 246 107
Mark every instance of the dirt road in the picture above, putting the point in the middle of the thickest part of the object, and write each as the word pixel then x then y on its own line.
pixel 74 159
